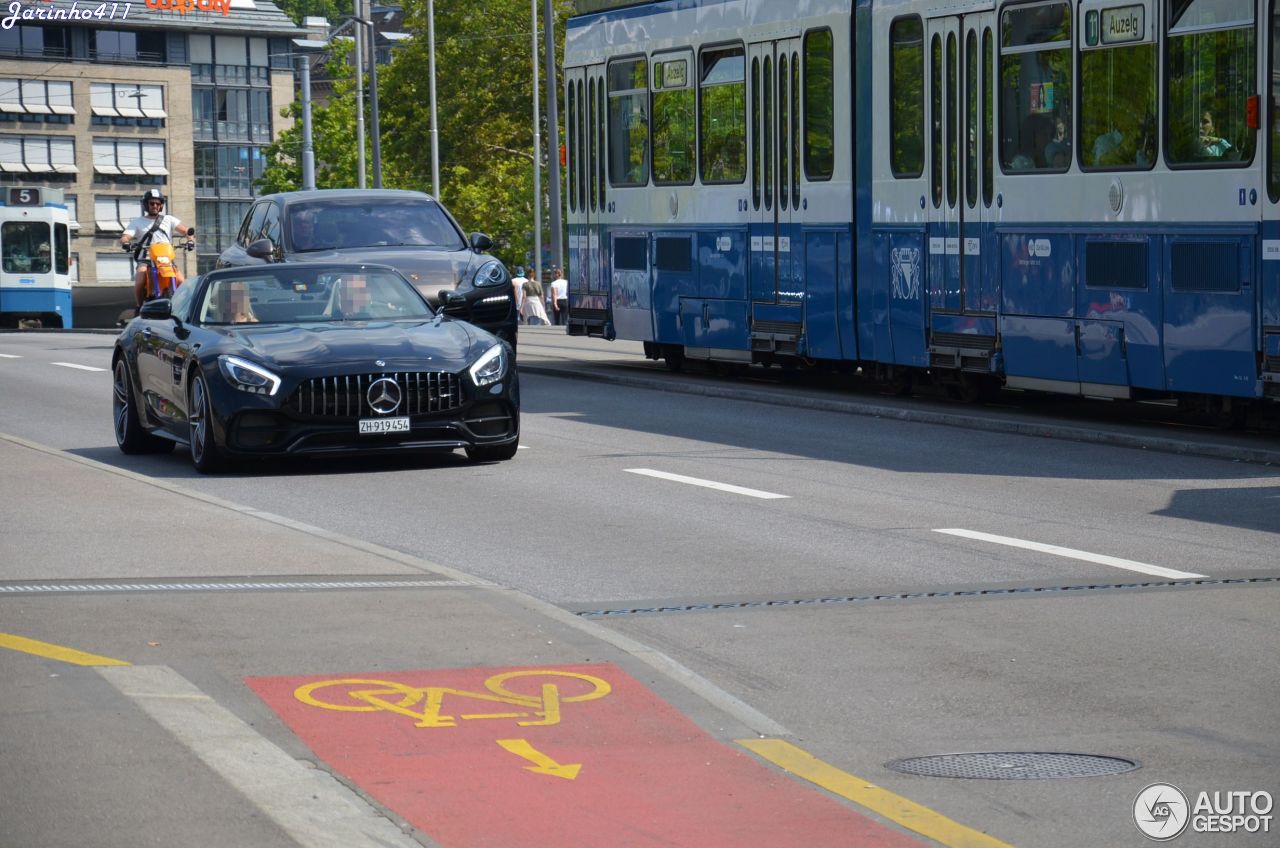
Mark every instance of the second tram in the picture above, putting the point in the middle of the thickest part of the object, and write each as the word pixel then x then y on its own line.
pixel 1078 196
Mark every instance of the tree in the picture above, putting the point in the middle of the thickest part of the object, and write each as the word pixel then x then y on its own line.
pixel 484 85
pixel 298 10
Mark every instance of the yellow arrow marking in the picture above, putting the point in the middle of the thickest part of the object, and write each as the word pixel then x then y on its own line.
pixel 542 763
pixel 54 652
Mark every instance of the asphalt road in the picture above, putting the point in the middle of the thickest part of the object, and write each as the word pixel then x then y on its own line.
pixel 787 565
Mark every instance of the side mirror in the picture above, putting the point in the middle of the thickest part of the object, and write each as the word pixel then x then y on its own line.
pixel 450 299
pixel 156 310
pixel 480 242
pixel 261 249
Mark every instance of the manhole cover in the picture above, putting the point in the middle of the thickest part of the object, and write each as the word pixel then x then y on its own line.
pixel 1013 765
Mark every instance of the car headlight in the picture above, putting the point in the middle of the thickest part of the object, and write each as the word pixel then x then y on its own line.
pixel 489 368
pixel 491 273
pixel 248 377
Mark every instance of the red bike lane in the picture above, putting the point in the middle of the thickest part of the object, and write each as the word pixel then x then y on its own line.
pixel 553 756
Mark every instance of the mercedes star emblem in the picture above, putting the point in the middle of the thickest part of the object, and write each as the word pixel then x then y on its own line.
pixel 384 396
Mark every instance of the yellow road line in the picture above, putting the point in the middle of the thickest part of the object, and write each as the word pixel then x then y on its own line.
pixel 909 814
pixel 54 652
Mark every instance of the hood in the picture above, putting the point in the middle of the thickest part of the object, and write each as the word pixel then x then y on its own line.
pixel 429 270
pixel 435 345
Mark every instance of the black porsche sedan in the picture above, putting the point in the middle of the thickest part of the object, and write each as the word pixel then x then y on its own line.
pixel 305 359
pixel 408 230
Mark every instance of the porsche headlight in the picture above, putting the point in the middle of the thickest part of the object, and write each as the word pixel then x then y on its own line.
pixel 247 377
pixel 490 367
pixel 491 273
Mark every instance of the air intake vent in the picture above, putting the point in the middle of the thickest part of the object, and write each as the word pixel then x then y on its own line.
pixel 421 392
pixel 1115 264
pixel 1210 266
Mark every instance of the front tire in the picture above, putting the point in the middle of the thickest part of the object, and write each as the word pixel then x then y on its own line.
pixel 131 437
pixel 206 456
pixel 493 453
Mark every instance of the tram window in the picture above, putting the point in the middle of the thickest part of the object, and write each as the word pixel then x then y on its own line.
pixel 1273 113
pixel 1118 107
pixel 988 118
pixel 722 95
pixel 755 133
pixel 819 105
pixel 673 122
pixel 784 127
pixel 591 135
pixel 767 131
pixel 795 130
pixel 906 95
pixel 581 149
pixel 1211 59
pixel 628 122
pixel 571 126
pixel 1035 88
pixel 61 249
pixel 971 86
pixel 27 247
pixel 600 124
pixel 935 119
pixel 953 106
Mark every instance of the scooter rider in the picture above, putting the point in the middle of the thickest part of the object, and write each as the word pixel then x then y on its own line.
pixel 152 225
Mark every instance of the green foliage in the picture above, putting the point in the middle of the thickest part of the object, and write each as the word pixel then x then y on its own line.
pixel 297 10
pixel 483 89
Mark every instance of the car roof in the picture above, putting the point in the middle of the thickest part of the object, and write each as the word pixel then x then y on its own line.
pixel 345 194
pixel 300 267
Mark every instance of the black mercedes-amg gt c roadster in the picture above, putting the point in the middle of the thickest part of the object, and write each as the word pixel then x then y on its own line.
pixel 305 359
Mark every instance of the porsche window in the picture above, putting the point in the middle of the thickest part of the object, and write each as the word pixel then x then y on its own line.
pixel 323 294
pixel 382 222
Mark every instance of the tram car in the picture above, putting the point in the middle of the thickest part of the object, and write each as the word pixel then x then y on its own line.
pixel 1075 196
pixel 35 258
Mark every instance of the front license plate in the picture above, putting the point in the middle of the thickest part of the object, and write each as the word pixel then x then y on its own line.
pixel 384 425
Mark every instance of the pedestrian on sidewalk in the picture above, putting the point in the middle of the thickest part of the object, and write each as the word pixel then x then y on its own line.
pixel 560 297
pixel 517 291
pixel 534 312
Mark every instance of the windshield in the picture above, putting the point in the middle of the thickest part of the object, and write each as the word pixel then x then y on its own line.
pixel 297 295
pixel 384 222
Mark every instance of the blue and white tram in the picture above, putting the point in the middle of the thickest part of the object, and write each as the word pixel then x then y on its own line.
pixel 35 257
pixel 1063 195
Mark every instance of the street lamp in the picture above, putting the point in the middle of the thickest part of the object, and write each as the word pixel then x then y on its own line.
pixel 372 58
pixel 306 48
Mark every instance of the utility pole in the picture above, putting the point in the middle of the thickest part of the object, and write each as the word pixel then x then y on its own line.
pixel 537 154
pixel 553 133
pixel 359 39
pixel 435 134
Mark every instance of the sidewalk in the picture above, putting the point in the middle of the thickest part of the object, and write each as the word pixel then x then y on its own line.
pixel 548 351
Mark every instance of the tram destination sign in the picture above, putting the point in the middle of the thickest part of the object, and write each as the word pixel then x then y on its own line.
pixel 1123 24
pixel 29 196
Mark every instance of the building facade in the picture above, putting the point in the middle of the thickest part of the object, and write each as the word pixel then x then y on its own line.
pixel 106 101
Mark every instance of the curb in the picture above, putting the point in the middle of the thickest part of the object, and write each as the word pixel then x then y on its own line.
pixel 1067 432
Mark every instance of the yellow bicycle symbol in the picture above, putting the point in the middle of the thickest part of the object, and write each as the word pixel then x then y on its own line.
pixel 424 703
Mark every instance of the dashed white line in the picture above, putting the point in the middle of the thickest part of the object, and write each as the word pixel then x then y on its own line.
pixel 9 356
pixel 1101 559
pixel 80 367
pixel 707 484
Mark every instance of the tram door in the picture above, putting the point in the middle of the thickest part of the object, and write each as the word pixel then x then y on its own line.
pixel 960 58
pixel 774 116
pixel 588 286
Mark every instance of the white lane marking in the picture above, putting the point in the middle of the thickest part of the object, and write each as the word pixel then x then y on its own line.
pixel 9 356
pixel 81 367
pixel 708 484
pixel 522 447
pixel 1101 559
pixel 313 807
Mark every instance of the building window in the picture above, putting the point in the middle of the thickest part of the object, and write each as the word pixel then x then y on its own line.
pixel 114 268
pixel 127 104
pixel 111 213
pixel 106 45
pixel 47 101
pixel 130 158
pixel 30 154
pixel 52 42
